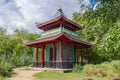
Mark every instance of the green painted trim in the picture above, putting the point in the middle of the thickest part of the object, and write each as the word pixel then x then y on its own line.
pixel 47 52
pixel 59 29
pixel 57 52
pixel 64 51
pixel 70 32
pixel 71 52
pixel 39 54
pixel 56 30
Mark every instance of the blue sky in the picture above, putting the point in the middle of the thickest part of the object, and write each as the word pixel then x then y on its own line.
pixel 22 14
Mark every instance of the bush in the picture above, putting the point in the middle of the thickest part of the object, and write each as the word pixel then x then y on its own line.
pixel 115 66
pixel 5 69
pixel 77 68
pixel 105 67
pixel 92 70
pixel 111 69
pixel 1 77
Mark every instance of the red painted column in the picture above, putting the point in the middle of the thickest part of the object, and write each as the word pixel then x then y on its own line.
pixel 54 57
pixel 42 60
pixel 36 57
pixel 67 55
pixel 61 54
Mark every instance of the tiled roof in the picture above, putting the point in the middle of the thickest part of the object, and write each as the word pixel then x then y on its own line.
pixel 59 19
pixel 48 36
pixel 53 36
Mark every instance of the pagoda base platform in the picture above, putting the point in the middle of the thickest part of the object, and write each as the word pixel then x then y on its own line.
pixel 51 70
pixel 56 65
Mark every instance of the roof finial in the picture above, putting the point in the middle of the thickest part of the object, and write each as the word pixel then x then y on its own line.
pixel 60 10
pixel 59 13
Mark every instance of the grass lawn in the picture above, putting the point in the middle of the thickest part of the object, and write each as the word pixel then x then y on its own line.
pixel 65 76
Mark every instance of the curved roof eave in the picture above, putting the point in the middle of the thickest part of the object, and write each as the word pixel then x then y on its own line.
pixel 57 37
pixel 56 20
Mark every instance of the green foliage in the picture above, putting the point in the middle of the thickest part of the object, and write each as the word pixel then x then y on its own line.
pixel 105 66
pixel 77 68
pixel 13 53
pixel 101 70
pixel 1 78
pixel 102 28
pixel 5 68
pixel 55 75
pixel 116 66
pixel 92 70
pixel 66 76
pixel 25 35
pixel 111 42
pixel 111 68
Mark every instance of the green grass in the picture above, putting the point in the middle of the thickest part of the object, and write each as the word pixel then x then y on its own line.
pixel 54 75
pixel 1 78
pixel 65 76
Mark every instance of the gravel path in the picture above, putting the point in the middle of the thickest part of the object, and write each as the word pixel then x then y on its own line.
pixel 25 73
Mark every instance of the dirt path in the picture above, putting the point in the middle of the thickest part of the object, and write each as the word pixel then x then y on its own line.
pixel 25 73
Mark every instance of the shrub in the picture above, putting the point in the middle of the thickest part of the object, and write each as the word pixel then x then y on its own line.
pixel 87 66
pixel 5 69
pixel 111 69
pixel 115 66
pixel 106 67
pixel 92 70
pixel 1 77
pixel 77 68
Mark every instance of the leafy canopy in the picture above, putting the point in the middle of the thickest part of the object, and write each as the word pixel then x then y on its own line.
pixel 101 26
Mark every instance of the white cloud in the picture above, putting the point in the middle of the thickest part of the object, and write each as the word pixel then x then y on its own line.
pixel 22 14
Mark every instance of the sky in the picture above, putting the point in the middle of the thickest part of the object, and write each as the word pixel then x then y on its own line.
pixel 23 14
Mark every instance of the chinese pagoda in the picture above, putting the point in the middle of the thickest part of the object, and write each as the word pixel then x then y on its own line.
pixel 59 45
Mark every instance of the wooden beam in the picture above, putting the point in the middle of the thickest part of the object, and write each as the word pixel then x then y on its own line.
pixel 72 23
pixel 69 26
pixel 42 60
pixel 47 27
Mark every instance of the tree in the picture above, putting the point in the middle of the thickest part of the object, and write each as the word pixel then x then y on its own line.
pixel 100 28
pixel 13 53
pixel 111 42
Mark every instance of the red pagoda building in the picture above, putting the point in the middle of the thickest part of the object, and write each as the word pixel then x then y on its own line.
pixel 59 45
